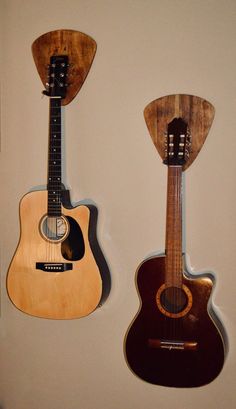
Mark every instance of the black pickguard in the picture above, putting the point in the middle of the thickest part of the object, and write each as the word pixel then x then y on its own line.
pixel 73 248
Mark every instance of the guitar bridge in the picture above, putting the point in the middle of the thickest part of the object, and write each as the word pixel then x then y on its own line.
pixel 167 344
pixel 54 267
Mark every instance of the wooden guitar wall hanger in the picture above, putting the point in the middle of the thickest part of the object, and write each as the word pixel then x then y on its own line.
pixel 58 270
pixel 176 338
pixel 195 111
pixel 80 50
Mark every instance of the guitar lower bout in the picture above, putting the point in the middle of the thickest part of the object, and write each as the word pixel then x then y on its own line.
pixel 175 341
pixel 54 273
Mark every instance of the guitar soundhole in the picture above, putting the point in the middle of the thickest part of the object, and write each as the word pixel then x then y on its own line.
pixel 174 300
pixel 54 228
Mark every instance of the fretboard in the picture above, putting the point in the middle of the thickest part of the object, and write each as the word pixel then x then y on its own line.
pixel 174 265
pixel 54 158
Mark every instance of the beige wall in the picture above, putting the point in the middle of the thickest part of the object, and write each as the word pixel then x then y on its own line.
pixel 146 49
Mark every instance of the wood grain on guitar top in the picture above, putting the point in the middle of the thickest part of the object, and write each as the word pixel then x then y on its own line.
pixel 59 295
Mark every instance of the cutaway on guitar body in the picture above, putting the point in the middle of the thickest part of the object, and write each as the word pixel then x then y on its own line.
pixel 184 351
pixel 40 280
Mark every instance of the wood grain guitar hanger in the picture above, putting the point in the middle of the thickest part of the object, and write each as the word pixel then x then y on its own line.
pixel 80 49
pixel 195 111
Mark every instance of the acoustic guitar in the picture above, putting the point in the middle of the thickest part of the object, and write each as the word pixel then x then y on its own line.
pixel 54 273
pixel 176 339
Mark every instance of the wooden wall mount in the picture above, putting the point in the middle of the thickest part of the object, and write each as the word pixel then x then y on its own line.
pixel 80 49
pixel 196 111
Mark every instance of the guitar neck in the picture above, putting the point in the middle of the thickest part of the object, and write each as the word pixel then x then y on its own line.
pixel 54 158
pixel 174 262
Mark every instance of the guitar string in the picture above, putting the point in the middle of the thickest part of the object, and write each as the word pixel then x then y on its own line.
pixel 175 227
pixel 173 233
pixel 178 245
pixel 180 267
pixel 174 253
pixel 179 292
pixel 54 152
pixel 175 249
pixel 57 115
pixel 178 254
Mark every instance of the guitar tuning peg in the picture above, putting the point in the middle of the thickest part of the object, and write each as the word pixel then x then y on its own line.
pixel 189 136
pixel 187 153
pixel 45 92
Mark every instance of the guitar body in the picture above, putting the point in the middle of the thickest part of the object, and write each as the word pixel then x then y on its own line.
pixel 72 293
pixel 187 351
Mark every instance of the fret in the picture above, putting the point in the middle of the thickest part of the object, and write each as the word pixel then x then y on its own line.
pixel 54 206
pixel 56 155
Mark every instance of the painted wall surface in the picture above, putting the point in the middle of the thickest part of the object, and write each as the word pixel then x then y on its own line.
pixel 146 49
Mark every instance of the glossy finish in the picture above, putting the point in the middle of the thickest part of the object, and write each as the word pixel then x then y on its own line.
pixel 180 352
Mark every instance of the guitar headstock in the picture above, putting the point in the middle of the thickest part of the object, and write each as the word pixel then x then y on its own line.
pixel 177 143
pixel 57 76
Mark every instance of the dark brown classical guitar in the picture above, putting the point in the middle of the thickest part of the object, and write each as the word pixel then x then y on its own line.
pixel 54 272
pixel 176 338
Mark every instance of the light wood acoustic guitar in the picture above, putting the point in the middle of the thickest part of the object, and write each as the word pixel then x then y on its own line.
pixel 176 339
pixel 54 272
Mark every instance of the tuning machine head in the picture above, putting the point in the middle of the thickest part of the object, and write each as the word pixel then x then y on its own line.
pixel 177 143
pixel 56 84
